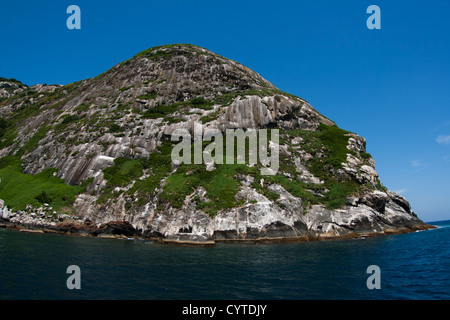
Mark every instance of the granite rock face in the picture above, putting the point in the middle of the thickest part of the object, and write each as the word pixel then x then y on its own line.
pixel 129 112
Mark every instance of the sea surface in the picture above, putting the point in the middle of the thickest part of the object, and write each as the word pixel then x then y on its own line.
pixel 412 266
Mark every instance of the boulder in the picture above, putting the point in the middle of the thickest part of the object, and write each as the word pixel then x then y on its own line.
pixel 376 200
pixel 399 200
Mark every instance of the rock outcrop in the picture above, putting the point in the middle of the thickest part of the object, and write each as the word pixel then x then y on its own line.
pixel 109 134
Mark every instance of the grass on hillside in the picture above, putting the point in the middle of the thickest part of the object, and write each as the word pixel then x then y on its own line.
pixel 222 184
pixel 18 189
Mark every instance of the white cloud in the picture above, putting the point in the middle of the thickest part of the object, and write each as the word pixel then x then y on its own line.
pixel 416 163
pixel 443 140
pixel 401 191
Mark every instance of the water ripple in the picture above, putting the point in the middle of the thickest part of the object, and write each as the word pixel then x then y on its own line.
pixel 413 266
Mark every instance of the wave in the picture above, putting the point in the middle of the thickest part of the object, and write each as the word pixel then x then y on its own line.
pixel 440 224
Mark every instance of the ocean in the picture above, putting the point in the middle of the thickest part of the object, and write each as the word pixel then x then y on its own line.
pixel 411 266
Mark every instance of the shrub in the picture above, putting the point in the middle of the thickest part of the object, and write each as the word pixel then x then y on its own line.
pixel 210 117
pixel 69 119
pixel 43 197
pixel 115 128
pixel 3 127
pixel 160 111
pixel 123 171
pixel 82 108
pixel 147 96
pixel 200 102
pixel 220 185
pixel 365 155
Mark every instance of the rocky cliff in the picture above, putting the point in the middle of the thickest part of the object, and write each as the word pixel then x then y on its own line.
pixel 98 150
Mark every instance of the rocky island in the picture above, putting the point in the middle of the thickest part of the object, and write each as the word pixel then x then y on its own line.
pixel 94 158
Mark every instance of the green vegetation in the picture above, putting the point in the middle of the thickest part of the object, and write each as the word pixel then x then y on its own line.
pixel 43 197
pixel 125 88
pixel 158 54
pixel 161 52
pixel 327 145
pixel 338 192
pixel 365 155
pixel 151 95
pixel 33 142
pixel 18 189
pixel 155 53
pixel 45 101
pixel 162 111
pixel 294 186
pixel 123 171
pixel 200 102
pixel 82 108
pixel 335 142
pixel 173 120
pixel 114 128
pixel 7 137
pixel 220 184
pixel 69 119
pixel 11 80
pixel 50 100
pixel 159 165
pixel 210 117
pixel 227 98
pixel 3 127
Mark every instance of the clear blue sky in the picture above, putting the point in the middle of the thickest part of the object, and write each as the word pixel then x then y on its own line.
pixel 391 86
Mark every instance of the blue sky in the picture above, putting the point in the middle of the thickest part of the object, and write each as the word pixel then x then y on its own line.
pixel 390 86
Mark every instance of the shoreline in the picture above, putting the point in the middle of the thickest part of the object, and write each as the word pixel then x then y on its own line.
pixel 114 233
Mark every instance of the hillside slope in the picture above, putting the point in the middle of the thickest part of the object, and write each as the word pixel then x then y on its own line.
pixel 99 150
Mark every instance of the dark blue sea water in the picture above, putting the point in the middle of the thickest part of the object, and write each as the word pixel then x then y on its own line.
pixel 413 266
